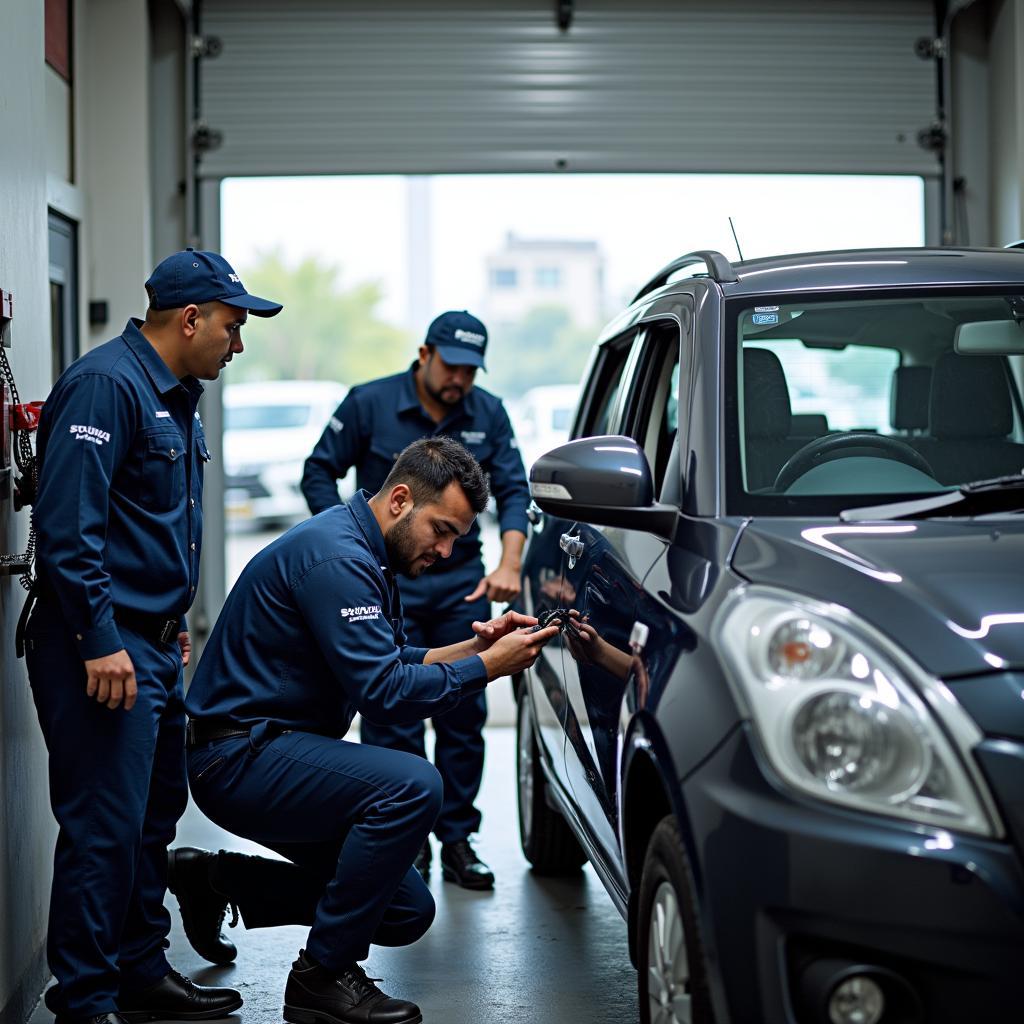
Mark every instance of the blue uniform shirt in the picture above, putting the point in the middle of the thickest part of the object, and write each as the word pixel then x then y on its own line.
pixel 378 419
pixel 312 633
pixel 119 512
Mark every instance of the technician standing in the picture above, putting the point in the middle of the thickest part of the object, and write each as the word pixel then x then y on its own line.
pixel 377 420
pixel 119 519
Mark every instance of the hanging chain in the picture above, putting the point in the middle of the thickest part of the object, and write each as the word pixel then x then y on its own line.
pixel 25 460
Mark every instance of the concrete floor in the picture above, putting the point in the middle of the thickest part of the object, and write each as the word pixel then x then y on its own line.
pixel 534 951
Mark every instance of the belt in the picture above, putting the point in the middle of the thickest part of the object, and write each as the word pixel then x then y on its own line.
pixel 201 731
pixel 152 627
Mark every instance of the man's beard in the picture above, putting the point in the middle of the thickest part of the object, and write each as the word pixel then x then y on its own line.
pixel 400 548
pixel 438 395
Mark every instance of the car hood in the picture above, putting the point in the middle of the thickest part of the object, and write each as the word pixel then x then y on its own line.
pixel 948 592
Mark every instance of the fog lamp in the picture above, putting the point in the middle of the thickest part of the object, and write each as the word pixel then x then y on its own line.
pixel 856 1000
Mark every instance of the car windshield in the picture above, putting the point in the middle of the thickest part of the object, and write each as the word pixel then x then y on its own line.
pixel 862 400
pixel 265 417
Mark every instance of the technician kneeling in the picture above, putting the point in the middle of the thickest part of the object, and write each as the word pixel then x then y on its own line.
pixel 311 634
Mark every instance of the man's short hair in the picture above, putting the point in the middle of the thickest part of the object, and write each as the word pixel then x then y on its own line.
pixel 429 465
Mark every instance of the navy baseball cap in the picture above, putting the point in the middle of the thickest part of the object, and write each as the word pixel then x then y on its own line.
pixel 459 338
pixel 194 276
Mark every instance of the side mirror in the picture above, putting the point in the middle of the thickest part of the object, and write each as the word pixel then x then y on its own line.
pixel 604 481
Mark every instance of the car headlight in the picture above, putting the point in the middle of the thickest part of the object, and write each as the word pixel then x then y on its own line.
pixel 846 717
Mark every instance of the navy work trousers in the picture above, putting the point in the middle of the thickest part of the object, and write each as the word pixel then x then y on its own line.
pixel 117 788
pixel 435 614
pixel 349 818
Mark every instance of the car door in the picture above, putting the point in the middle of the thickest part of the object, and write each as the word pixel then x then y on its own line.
pixel 603 573
pixel 544 582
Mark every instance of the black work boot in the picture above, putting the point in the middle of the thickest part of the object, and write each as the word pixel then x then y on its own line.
pixel 422 861
pixel 460 864
pixel 175 997
pixel 190 877
pixel 317 995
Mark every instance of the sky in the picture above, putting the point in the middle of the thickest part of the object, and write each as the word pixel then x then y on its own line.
pixel 640 221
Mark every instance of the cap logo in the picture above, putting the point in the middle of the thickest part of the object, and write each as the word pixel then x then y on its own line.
pixel 235 278
pixel 469 337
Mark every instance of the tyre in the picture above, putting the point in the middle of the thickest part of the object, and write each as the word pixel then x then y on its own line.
pixel 672 970
pixel 547 841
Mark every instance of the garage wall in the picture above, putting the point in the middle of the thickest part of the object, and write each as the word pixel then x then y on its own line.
pixel 26 827
pixel 346 86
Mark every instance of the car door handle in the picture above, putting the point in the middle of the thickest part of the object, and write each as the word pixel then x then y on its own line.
pixel 571 545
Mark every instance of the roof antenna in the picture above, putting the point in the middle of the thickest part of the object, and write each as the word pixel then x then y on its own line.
pixel 735 239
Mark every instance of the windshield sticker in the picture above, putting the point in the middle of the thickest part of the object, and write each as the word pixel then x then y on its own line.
pixel 761 319
pixel 766 309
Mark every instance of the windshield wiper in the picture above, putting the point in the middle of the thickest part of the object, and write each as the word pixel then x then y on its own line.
pixel 999 494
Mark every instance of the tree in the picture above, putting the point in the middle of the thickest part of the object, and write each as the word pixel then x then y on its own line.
pixel 324 332
pixel 545 347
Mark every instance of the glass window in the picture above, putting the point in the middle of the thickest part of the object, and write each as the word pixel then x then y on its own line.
pixel 548 277
pixel 604 414
pixel 849 402
pixel 504 277
pixel 265 417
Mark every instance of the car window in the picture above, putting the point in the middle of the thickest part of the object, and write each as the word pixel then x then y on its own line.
pixel 265 417
pixel 654 418
pixel 850 402
pixel 604 413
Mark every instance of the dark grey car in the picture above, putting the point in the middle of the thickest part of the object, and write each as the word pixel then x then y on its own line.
pixel 784 718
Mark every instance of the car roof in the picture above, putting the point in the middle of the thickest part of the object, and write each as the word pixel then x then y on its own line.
pixel 875 268
pixel 841 269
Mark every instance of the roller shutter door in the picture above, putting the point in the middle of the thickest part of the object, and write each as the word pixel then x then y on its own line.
pixel 330 86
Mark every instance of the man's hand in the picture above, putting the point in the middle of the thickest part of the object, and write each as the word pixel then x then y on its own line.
pixel 515 651
pixel 111 680
pixel 503 584
pixel 495 629
pixel 185 646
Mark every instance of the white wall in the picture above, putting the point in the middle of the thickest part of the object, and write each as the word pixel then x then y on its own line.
pixel 26 826
pixel 113 97
pixel 1006 112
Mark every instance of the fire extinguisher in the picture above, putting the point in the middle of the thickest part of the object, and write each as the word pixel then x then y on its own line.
pixel 24 420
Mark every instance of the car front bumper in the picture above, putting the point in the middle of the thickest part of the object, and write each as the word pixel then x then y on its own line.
pixel 786 883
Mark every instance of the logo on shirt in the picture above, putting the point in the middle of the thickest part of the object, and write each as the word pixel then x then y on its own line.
pixel 162 414
pixel 360 613
pixel 470 337
pixel 92 434
pixel 336 425
pixel 473 436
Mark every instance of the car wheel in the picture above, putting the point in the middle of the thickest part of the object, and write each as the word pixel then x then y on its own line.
pixel 547 841
pixel 672 976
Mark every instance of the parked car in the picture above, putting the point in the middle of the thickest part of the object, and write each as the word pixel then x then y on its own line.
pixel 783 716
pixel 542 417
pixel 269 430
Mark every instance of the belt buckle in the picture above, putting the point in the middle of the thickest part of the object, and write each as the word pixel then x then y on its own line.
pixel 169 631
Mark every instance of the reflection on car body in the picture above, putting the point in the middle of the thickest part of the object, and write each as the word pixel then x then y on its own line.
pixel 786 728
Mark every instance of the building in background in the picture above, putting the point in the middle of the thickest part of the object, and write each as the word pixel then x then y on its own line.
pixel 528 273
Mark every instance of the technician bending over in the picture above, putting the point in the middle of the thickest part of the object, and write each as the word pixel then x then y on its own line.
pixel 311 634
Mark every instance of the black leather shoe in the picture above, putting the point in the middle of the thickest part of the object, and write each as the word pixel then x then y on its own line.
pixel 189 877
pixel 175 997
pixel 460 864
pixel 422 861
pixel 316 995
